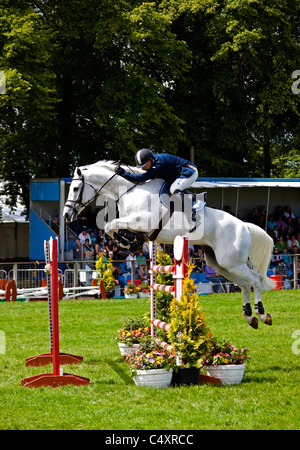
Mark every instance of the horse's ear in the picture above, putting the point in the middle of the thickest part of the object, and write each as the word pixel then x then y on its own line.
pixel 78 172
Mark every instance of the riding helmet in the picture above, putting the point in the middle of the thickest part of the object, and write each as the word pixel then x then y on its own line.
pixel 143 156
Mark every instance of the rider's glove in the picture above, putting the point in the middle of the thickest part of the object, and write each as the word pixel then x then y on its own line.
pixel 120 171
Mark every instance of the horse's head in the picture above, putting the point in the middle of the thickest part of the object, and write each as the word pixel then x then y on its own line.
pixel 79 196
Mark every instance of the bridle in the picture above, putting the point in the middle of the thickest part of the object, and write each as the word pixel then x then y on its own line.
pixel 78 202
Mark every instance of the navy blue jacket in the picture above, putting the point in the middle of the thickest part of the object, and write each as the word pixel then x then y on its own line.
pixel 165 166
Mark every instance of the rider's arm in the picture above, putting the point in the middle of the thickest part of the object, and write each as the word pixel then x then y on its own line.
pixel 140 177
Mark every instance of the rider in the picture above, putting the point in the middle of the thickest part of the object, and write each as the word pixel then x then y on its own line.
pixel 180 172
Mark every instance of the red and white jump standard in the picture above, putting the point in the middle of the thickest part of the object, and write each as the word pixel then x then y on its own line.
pixel 56 378
pixel 179 270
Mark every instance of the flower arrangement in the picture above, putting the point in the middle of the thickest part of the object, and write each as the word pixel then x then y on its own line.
pixel 131 289
pixel 144 288
pixel 188 331
pixel 104 269
pixel 151 355
pixel 133 332
pixel 224 353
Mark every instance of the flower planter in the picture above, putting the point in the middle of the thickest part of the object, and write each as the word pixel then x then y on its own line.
pixel 159 378
pixel 144 294
pixel 130 295
pixel 188 376
pixel 127 349
pixel 229 374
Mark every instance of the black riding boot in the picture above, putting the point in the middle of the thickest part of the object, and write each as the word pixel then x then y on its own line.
pixel 187 208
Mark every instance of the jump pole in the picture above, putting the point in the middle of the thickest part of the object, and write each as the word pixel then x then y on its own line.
pixel 179 271
pixel 55 379
pixel 47 358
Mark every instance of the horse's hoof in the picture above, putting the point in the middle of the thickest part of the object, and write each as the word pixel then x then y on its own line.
pixel 253 323
pixel 268 319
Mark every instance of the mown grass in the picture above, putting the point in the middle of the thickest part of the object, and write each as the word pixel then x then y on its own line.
pixel 268 397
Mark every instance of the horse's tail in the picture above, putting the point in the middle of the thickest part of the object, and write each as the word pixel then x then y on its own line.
pixel 261 251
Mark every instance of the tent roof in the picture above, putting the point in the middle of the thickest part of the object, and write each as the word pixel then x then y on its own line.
pixel 246 182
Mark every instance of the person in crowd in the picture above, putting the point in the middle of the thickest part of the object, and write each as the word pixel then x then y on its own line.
pixel 286 257
pixel 146 250
pixel 280 244
pixel 118 280
pixel 131 257
pixel 143 274
pixel 271 223
pixel 275 234
pixel 215 277
pixel 276 258
pixel 280 221
pixel 288 213
pixel 109 245
pixel 199 261
pixel 78 251
pixel 85 235
pixel 55 225
pixel 93 237
pixel 295 250
pixel 141 258
pixel 291 242
pixel 281 269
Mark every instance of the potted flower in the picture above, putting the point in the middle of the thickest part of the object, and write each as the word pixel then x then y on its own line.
pixel 104 270
pixel 152 365
pixel 131 291
pixel 131 334
pixel 226 361
pixel 143 290
pixel 189 334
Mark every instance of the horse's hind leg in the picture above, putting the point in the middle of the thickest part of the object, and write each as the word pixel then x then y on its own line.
pixel 259 309
pixel 239 277
pixel 260 312
pixel 256 282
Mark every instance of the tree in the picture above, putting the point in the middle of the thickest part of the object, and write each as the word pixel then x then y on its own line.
pixel 88 82
pixel 27 107
pixel 98 79
pixel 237 103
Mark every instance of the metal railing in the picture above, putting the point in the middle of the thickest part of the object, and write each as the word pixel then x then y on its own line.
pixel 81 273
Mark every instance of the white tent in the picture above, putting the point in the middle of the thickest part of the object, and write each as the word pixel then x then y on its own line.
pixel 270 192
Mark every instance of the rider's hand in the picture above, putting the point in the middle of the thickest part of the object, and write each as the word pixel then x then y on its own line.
pixel 120 171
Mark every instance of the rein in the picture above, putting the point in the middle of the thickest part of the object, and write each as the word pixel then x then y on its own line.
pixel 84 182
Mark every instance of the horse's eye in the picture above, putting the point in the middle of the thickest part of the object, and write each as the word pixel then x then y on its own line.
pixel 75 189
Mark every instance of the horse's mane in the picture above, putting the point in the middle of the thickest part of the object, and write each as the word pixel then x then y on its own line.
pixel 111 165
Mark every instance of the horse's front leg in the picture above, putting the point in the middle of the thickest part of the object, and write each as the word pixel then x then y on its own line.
pixel 133 222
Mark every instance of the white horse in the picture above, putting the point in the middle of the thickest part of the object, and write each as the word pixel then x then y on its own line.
pixel 228 243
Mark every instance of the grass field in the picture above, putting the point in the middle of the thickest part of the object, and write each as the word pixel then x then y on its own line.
pixel 268 397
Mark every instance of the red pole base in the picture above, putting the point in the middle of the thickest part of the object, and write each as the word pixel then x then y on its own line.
pixel 48 379
pixel 46 358
pixel 210 380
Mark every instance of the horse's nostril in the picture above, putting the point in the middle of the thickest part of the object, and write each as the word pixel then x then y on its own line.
pixel 66 216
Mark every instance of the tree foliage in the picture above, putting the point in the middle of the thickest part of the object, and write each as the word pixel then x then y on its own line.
pixel 94 79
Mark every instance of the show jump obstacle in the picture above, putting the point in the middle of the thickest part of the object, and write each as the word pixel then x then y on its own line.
pixel 179 270
pixel 56 378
